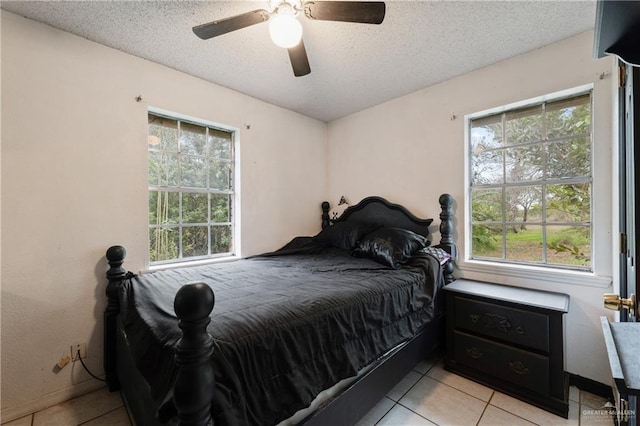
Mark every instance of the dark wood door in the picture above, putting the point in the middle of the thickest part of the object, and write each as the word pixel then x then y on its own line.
pixel 617 30
pixel 629 148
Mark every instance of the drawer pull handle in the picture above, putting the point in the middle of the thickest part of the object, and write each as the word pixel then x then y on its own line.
pixel 474 353
pixel 519 368
pixel 519 330
pixel 498 322
pixel 492 321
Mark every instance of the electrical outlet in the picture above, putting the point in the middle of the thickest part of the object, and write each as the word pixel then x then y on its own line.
pixel 78 347
pixel 63 361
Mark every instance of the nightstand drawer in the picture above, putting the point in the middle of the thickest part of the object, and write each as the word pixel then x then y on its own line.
pixel 526 369
pixel 524 328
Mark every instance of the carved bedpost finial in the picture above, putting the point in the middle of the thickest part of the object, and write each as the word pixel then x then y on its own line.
pixel 115 257
pixel 193 391
pixel 446 218
pixel 193 302
pixel 325 214
pixel 447 225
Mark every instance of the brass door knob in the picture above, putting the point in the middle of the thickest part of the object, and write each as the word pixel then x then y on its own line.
pixel 615 302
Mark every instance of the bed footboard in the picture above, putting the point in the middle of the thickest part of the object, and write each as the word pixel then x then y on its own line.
pixel 115 275
pixel 193 391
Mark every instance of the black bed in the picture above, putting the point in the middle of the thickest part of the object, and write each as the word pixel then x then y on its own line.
pixel 287 324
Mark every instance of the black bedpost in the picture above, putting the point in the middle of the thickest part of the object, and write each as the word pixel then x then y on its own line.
pixel 116 274
pixel 325 214
pixel 193 390
pixel 447 228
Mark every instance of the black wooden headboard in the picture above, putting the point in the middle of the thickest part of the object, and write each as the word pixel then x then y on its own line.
pixel 378 211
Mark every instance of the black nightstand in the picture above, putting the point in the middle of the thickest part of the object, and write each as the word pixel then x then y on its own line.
pixel 510 339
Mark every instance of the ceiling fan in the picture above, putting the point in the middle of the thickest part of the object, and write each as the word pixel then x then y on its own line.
pixel 286 30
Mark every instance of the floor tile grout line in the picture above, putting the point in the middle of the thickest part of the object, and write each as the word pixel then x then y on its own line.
pixel 460 390
pixel 101 415
pixel 580 408
pixel 407 391
pixel 386 412
pixel 417 414
pixel 530 421
pixel 436 380
pixel 514 414
pixel 482 414
pixel 33 415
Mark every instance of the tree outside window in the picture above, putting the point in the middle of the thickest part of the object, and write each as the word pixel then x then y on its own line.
pixel 191 191
pixel 531 184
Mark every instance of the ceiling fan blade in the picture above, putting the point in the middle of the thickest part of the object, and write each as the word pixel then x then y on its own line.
pixel 223 26
pixel 365 12
pixel 299 60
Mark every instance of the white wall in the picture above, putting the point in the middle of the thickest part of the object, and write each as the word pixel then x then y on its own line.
pixel 411 149
pixel 74 182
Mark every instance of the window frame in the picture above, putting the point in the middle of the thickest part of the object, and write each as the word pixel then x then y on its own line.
pixel 512 269
pixel 233 192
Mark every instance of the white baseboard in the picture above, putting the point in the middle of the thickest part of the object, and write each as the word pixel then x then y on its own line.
pixel 25 408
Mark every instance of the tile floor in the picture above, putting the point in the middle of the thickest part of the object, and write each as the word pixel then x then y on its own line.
pixel 428 395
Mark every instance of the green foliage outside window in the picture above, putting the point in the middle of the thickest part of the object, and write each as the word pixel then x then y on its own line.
pixel 190 190
pixel 531 184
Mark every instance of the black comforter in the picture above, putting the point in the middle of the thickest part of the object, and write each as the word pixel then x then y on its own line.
pixel 285 325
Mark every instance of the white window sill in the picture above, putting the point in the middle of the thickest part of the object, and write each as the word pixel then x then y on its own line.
pixel 470 268
pixel 201 262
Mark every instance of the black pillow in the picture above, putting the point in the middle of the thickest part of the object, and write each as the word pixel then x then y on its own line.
pixel 390 246
pixel 343 235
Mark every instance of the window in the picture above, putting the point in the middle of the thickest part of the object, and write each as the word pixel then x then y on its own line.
pixel 191 190
pixel 530 193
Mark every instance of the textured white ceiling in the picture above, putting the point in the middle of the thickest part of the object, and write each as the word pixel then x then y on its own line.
pixel 353 66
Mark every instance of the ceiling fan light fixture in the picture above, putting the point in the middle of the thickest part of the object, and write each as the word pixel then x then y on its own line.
pixel 284 28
